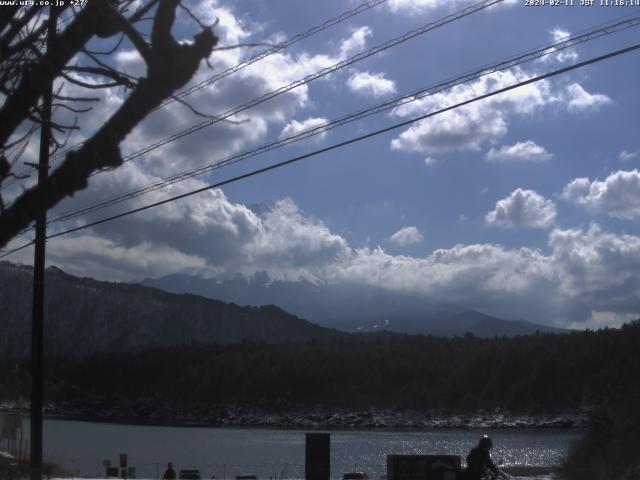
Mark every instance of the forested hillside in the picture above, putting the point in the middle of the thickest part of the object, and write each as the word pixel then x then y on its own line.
pixel 537 373
pixel 83 316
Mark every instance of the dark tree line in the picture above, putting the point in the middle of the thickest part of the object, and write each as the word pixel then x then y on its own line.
pixel 536 373
pixel 610 449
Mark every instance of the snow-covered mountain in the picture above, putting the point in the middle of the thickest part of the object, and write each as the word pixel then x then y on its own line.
pixel 351 307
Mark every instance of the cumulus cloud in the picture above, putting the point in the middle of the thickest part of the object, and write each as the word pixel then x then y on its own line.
pixel 605 319
pixel 430 161
pixel 374 84
pixel 356 42
pixel 288 240
pixel 528 151
pixel 578 99
pixel 406 236
pixel 468 128
pixel 229 28
pixel 416 7
pixel 625 156
pixel 523 208
pixel 487 277
pixel 597 268
pixel 618 194
pixel 559 56
pixel 112 259
pixel 585 271
pixel 294 127
pixel 223 139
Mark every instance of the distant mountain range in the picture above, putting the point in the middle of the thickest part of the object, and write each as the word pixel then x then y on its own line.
pixel 351 307
pixel 83 315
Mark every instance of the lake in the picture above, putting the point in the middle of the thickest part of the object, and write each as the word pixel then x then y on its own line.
pixel 227 452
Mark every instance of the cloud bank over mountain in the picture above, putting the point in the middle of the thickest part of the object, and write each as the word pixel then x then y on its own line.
pixel 551 237
pixel 586 270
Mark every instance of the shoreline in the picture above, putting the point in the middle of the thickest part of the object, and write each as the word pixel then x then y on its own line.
pixel 136 421
pixel 318 419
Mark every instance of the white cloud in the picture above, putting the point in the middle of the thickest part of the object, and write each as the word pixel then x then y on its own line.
pixel 618 194
pixel 559 56
pixel 604 319
pixel 578 99
pixel 558 34
pixel 406 236
pixel 374 84
pixel 131 62
pixel 289 242
pixel 207 233
pixel 625 156
pixel 528 151
pixel 476 275
pixel 221 140
pixel 468 128
pixel 523 208
pixel 294 127
pixel 112 259
pixel 214 236
pixel 229 28
pixel 356 42
pixel 585 271
pixel 597 268
pixel 430 161
pixel 416 7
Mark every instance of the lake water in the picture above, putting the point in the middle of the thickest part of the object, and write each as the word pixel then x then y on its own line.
pixel 227 452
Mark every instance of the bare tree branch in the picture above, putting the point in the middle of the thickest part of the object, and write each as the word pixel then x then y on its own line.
pixel 71 109
pixel 91 86
pixel 197 112
pixel 35 80
pixel 143 11
pixel 120 78
pixel 108 52
pixel 76 99
pixel 170 66
pixel 16 27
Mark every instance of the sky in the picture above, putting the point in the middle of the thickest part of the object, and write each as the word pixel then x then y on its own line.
pixel 524 205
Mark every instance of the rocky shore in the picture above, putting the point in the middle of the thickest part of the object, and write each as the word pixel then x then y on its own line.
pixel 149 412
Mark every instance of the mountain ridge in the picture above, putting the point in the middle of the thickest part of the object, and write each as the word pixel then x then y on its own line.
pixel 84 315
pixel 352 307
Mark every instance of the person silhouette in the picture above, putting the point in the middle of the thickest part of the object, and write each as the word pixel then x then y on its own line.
pixel 170 473
pixel 479 463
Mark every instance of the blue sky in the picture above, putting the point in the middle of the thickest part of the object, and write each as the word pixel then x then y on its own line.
pixel 524 205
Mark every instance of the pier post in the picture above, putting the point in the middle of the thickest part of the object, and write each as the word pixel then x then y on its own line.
pixel 317 464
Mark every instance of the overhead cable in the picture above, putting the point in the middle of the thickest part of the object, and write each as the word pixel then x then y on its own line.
pixel 395 102
pixel 335 146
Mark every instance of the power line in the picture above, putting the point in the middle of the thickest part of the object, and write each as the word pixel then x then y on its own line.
pixel 363 7
pixel 344 143
pixel 510 62
pixel 287 43
pixel 309 78
pixel 295 39
pixel 321 73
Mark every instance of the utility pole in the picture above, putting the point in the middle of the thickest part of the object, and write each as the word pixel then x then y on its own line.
pixel 37 323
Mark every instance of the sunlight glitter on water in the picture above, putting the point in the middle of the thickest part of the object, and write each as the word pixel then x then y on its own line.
pixel 227 452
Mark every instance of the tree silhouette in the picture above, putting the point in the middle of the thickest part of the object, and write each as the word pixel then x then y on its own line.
pixel 27 67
